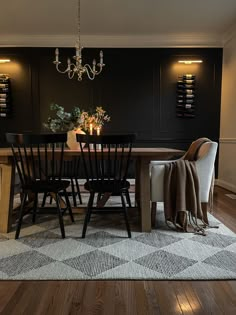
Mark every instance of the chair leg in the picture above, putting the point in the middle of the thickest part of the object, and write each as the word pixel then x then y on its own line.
pixel 73 192
pixel 78 191
pixel 128 199
pixel 20 216
pixel 88 214
pixel 44 200
pixel 68 205
pixel 204 212
pixel 125 215
pixel 35 208
pixel 60 216
pixel 50 199
pixel 153 213
pixel 99 196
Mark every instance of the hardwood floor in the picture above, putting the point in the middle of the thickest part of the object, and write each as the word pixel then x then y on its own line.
pixel 126 297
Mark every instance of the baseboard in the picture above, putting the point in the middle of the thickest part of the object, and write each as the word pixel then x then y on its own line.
pixel 226 185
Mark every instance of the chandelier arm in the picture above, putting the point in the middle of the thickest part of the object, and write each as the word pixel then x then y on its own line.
pixel 89 67
pixel 96 72
pixel 61 71
pixel 99 71
pixel 71 74
pixel 89 71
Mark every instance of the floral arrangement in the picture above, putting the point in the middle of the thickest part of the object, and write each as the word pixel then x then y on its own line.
pixel 97 119
pixel 64 121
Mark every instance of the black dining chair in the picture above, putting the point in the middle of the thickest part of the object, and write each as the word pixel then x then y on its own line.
pixel 71 171
pixel 106 160
pixel 39 162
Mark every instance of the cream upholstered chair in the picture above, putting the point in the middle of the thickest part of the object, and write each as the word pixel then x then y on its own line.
pixel 205 161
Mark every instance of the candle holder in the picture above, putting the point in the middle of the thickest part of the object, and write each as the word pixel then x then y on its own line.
pixel 98 145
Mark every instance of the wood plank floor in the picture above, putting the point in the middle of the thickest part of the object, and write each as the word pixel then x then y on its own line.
pixel 126 297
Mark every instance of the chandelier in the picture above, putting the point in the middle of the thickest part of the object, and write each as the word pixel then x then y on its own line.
pixel 77 67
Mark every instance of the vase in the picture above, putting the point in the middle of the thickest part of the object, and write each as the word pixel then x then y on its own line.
pixel 71 139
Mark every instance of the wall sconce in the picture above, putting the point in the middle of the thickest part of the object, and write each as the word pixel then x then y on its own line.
pixel 4 60
pixel 189 62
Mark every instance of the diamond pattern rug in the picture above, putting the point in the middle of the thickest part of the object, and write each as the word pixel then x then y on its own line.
pixel 107 253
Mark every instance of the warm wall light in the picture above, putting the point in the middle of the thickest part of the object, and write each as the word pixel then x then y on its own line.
pixel 189 62
pixel 4 60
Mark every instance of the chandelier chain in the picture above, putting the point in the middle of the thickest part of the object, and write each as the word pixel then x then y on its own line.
pixel 78 20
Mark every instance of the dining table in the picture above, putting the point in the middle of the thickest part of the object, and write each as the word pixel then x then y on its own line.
pixel 141 156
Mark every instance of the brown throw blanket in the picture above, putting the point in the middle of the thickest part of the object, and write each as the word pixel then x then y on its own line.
pixel 182 205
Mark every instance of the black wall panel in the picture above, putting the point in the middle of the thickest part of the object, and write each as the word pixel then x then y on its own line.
pixel 137 88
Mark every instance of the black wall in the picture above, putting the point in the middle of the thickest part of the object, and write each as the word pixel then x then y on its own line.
pixel 137 88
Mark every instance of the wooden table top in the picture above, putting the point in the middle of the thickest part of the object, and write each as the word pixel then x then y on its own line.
pixel 149 153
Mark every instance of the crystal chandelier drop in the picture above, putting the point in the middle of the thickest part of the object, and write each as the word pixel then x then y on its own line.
pixel 77 67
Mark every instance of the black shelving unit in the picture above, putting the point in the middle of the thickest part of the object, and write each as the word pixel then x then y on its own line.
pixel 5 96
pixel 185 107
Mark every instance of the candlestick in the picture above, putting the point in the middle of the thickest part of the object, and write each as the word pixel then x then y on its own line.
pixel 98 131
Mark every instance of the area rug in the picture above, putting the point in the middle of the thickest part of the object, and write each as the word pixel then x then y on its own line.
pixel 107 253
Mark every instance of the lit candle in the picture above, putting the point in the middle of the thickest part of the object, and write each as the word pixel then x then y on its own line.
pixel 98 146
pixel 90 129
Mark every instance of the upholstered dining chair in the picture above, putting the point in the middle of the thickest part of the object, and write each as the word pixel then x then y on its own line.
pixel 106 161
pixel 39 164
pixel 204 159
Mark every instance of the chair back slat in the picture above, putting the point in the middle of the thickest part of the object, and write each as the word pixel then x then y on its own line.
pixel 61 161
pixel 84 160
pixel 38 159
pixel 106 158
pixel 35 156
pixel 33 165
pixel 46 160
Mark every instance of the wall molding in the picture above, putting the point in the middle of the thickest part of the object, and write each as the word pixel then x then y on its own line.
pixel 115 41
pixel 229 34
pixel 226 185
pixel 228 140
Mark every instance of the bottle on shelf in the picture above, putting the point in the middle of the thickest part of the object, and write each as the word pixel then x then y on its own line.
pixel 5 106
pixel 186 96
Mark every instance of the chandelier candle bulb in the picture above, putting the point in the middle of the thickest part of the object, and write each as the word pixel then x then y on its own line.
pixel 101 57
pixel 94 65
pixel 57 54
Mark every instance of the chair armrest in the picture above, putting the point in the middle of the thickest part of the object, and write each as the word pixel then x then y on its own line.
pixel 153 163
pixel 157 171
pixel 205 168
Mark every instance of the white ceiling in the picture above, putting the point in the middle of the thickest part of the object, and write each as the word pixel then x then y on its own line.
pixel 117 23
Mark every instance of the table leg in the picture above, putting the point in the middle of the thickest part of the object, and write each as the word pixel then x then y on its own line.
pixel 137 183
pixel 6 196
pixel 145 195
